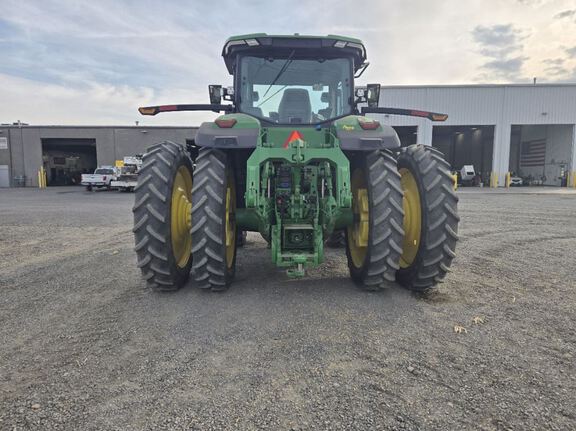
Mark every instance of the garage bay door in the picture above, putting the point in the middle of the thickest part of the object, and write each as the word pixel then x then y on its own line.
pixel 4 176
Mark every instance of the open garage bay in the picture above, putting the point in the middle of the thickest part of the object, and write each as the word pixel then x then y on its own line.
pixel 86 346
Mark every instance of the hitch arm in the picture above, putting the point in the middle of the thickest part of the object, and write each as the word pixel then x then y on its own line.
pixel 432 116
pixel 153 110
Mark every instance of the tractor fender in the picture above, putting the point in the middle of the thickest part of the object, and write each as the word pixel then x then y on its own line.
pixel 209 136
pixel 384 137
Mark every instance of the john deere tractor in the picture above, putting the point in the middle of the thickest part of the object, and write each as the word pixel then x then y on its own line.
pixel 294 158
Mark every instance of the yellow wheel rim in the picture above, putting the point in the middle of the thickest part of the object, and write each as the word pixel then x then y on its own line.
pixel 412 218
pixel 230 221
pixel 180 219
pixel 359 232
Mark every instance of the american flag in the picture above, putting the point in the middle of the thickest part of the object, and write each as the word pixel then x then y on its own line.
pixel 533 153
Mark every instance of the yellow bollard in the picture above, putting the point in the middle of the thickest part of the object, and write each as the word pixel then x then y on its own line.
pixel 508 179
pixel 455 181
pixel 574 179
pixel 494 180
pixel 42 178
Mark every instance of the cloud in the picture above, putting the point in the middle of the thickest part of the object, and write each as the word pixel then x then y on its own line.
pixel 556 69
pixel 510 66
pixel 571 52
pixel 501 35
pixel 555 61
pixel 530 2
pixel 565 14
pixel 95 61
pixel 93 103
pixel 501 47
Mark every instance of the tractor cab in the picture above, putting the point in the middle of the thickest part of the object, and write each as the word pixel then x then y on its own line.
pixel 288 80
pixel 297 79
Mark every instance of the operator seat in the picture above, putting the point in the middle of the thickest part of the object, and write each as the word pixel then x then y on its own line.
pixel 295 107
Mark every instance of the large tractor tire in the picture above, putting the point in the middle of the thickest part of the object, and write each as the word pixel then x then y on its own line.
pixel 430 217
pixel 374 241
pixel 214 231
pixel 162 223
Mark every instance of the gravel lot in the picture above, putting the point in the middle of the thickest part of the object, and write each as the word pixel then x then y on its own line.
pixel 84 345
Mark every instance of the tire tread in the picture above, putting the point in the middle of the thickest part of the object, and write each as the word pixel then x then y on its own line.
pixel 440 229
pixel 151 224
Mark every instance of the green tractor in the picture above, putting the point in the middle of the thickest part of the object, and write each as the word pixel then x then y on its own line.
pixel 294 158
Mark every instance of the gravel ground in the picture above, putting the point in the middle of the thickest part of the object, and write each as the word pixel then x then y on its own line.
pixel 84 345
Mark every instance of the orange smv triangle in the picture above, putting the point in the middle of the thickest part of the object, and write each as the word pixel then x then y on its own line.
pixel 295 135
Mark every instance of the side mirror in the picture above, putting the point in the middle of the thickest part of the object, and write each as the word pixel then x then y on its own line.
pixel 373 94
pixel 215 92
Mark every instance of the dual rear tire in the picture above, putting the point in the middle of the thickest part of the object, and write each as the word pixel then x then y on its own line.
pixel 214 232
pixel 430 220
pixel 166 242
pixel 405 219
pixel 374 241
pixel 162 222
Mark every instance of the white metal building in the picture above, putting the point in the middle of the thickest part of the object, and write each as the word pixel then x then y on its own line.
pixel 528 130
pixel 525 129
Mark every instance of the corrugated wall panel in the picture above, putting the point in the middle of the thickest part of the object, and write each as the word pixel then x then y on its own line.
pixel 486 104
pixel 541 105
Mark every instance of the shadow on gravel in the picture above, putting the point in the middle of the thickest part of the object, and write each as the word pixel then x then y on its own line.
pixel 434 296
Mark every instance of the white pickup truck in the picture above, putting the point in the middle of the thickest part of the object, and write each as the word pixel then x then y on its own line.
pixel 102 177
pixel 128 174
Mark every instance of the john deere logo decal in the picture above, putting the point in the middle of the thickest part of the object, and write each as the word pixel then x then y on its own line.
pixel 294 136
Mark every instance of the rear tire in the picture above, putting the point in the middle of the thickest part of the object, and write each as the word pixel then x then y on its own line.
pixel 214 231
pixel 162 216
pixel 374 265
pixel 429 245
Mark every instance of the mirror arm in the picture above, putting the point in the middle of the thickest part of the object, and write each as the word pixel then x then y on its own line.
pixel 153 110
pixel 362 68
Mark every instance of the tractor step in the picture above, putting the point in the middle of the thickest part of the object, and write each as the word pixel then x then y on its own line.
pixel 297 272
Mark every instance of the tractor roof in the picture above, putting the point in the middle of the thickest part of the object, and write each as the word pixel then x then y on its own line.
pixel 262 44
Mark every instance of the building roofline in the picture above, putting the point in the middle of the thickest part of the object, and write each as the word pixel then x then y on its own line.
pixel 84 126
pixel 546 85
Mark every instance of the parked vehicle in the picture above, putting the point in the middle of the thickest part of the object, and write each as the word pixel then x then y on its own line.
pixel 128 178
pixel 467 175
pixel 102 177
pixel 516 182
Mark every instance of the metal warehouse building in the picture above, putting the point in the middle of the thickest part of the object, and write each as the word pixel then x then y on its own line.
pixel 528 130
pixel 68 151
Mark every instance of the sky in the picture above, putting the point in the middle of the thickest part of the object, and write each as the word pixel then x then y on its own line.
pixel 94 62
